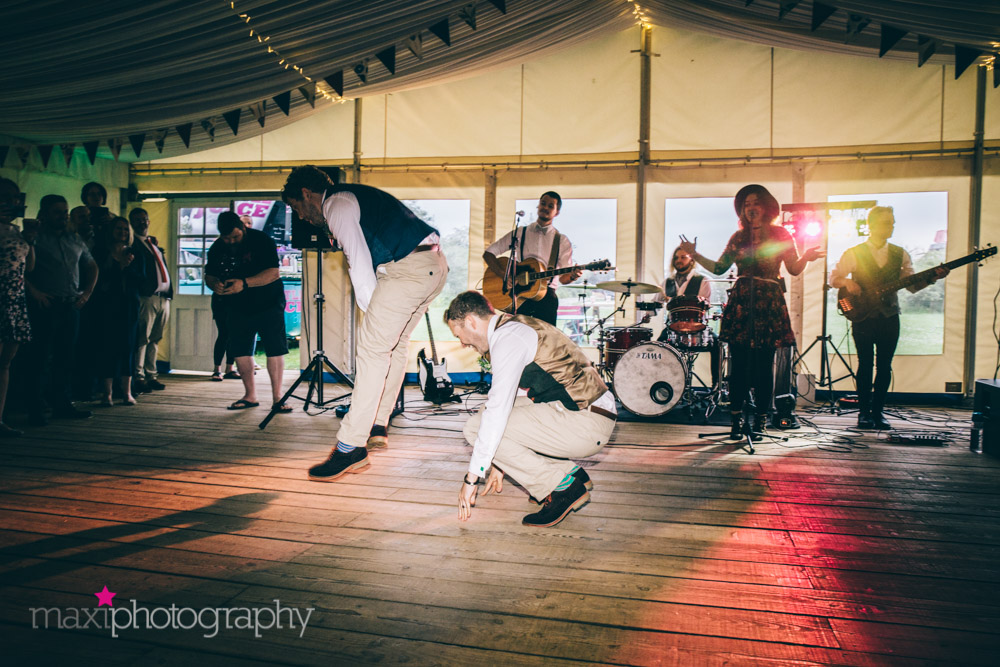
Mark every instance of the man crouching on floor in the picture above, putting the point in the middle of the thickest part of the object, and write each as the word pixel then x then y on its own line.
pixel 568 413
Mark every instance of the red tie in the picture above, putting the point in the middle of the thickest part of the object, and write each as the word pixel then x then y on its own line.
pixel 159 262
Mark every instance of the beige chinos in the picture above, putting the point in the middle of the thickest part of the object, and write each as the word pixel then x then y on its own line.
pixel 537 432
pixel 403 292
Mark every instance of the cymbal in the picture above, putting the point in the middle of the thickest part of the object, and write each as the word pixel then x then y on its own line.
pixel 587 287
pixel 628 286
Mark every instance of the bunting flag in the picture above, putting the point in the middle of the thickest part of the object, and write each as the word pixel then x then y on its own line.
pixel 45 152
pixel 442 31
pixel 502 5
pixel 184 132
pixel 160 140
pixel 821 12
pixel 468 14
pixel 259 111
pixel 209 128
pixel 890 37
pixel 91 148
pixel 415 43
pixel 309 92
pixel 67 151
pixel 388 58
pixel 3 154
pixel 23 154
pixel 336 82
pixel 137 140
pixel 116 147
pixel 855 24
pixel 233 119
pixel 361 69
pixel 964 56
pixel 786 6
pixel 284 101
pixel 996 76
pixel 926 46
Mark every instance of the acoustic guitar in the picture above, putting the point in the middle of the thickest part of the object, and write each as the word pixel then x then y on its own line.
pixel 857 307
pixel 530 282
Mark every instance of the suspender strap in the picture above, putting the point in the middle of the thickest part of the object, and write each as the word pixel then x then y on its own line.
pixel 554 255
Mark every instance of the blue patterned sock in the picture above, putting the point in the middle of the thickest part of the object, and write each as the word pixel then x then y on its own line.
pixel 344 449
pixel 565 483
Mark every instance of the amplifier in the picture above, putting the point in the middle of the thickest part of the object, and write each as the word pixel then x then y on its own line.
pixel 986 417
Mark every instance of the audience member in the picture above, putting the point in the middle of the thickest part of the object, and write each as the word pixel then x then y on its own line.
pixel 16 256
pixel 155 292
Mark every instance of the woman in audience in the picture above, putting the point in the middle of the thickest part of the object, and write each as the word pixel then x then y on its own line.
pixel 15 256
pixel 116 306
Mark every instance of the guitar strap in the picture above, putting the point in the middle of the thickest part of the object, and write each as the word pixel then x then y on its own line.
pixel 554 255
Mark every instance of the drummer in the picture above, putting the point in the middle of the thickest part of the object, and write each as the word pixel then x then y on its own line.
pixel 685 279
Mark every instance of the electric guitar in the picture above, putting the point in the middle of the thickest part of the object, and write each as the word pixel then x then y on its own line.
pixel 433 376
pixel 530 281
pixel 857 307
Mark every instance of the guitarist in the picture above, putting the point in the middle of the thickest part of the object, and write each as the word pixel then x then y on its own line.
pixel 865 267
pixel 541 241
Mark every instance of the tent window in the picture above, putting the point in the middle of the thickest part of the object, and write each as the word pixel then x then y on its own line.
pixel 451 218
pixel 591 225
pixel 922 229
pixel 197 228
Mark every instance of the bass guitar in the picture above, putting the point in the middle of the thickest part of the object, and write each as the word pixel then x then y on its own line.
pixel 857 307
pixel 433 376
pixel 530 281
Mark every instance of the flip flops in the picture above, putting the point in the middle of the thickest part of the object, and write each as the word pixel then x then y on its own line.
pixel 242 404
pixel 282 408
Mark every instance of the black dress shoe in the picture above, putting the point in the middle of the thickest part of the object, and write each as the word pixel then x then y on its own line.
pixel 736 432
pixel 582 475
pixel 339 464
pixel 378 438
pixel 865 422
pixel 37 419
pixel 559 504
pixel 154 384
pixel 880 422
pixel 72 412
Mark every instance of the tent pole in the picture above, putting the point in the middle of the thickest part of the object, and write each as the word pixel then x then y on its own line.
pixel 975 219
pixel 645 58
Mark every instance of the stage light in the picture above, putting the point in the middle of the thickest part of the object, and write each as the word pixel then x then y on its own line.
pixel 814 229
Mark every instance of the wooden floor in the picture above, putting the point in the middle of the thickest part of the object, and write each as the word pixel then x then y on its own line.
pixel 833 549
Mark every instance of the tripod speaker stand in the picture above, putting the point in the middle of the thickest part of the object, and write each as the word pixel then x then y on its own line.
pixel 313 373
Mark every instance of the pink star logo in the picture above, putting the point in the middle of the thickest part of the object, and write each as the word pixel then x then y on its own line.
pixel 104 597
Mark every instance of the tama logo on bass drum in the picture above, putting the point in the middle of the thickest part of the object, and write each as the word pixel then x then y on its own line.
pixel 649 355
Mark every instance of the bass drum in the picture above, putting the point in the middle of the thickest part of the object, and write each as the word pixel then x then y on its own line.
pixel 650 379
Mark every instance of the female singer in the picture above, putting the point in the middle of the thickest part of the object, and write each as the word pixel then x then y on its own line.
pixel 755 321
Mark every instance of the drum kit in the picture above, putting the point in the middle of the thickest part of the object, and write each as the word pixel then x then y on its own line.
pixel 649 377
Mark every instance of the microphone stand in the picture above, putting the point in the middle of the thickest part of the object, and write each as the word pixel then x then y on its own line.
pixel 510 276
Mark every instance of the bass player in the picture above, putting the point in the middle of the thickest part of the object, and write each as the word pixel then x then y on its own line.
pixel 864 268
pixel 541 241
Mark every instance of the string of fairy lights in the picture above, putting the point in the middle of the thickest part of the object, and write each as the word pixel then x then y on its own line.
pixel 641 17
pixel 283 61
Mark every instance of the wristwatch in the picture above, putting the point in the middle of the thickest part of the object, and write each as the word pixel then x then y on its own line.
pixel 472 483
pixel 245 286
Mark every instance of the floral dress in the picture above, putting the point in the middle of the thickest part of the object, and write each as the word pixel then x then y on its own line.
pixel 14 324
pixel 758 283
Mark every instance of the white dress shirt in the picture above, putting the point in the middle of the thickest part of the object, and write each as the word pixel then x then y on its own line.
pixel 511 350
pixel 343 216
pixel 538 242
pixel 162 277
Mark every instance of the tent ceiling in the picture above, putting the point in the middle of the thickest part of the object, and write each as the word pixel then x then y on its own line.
pixel 84 72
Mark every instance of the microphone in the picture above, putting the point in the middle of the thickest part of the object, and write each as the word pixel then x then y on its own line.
pixel 519 214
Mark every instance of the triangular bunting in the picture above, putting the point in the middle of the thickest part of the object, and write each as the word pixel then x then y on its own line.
pixel 309 92
pixel 361 69
pixel 259 111
pixel 116 147
pixel 785 7
pixel 500 4
pixel 67 151
pixel 821 12
pixel 890 37
pixel 209 128
pixel 91 148
pixel 996 76
pixel 468 14
pixel 284 101
pixel 442 31
pixel 855 24
pixel 23 154
pixel 926 47
pixel 388 58
pixel 46 153
pixel 415 43
pixel 233 119
pixel 137 140
pixel 184 132
pixel 336 82
pixel 964 56
pixel 161 139
pixel 3 154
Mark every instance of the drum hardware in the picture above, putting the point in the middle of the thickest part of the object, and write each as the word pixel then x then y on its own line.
pixel 648 305
pixel 628 287
pixel 687 314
